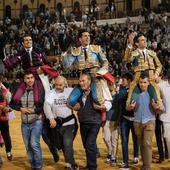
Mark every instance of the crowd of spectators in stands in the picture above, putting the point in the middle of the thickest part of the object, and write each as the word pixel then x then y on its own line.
pixel 47 32
pixel 54 37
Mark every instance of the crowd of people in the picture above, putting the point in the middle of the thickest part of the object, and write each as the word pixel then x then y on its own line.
pixel 47 33
pixel 104 59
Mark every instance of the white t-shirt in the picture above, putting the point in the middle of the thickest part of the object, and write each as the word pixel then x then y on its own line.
pixel 58 105
pixel 164 87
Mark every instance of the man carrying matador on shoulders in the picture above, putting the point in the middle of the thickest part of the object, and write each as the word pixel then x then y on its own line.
pixel 90 59
pixel 142 60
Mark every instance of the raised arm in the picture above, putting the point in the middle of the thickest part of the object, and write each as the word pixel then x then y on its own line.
pixel 130 47
pixel 128 54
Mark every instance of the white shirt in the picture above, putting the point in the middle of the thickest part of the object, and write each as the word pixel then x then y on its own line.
pixel 58 105
pixel 143 51
pixel 164 87
pixel 28 49
pixel 86 47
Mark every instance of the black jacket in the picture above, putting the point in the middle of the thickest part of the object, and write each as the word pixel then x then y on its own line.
pixel 87 113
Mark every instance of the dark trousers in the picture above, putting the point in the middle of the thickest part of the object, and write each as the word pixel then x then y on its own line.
pixel 126 126
pixel 162 148
pixel 46 138
pixel 89 134
pixel 67 133
pixel 4 128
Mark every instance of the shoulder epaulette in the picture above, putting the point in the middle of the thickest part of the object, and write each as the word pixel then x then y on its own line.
pixel 76 51
pixel 95 48
pixel 151 52
pixel 135 53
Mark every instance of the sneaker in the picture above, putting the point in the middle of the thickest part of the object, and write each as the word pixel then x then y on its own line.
pixel 75 167
pixel 56 157
pixel 135 160
pixel 124 167
pixel 9 156
pixel 72 167
pixel 113 162
pixel 108 158
pixel 160 160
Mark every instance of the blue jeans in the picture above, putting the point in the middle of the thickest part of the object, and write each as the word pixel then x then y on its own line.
pixel 125 127
pixel 31 135
pixel 89 134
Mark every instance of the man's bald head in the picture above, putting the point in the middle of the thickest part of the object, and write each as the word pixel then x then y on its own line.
pixel 60 78
pixel 60 83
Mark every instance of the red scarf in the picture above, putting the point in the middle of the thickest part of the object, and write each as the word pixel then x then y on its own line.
pixel 37 92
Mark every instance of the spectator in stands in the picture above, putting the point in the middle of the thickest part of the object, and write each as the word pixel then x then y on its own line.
pixel 151 18
pixel 40 29
pixel 112 8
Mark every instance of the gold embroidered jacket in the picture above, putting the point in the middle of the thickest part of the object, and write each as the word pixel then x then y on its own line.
pixel 151 62
pixel 95 56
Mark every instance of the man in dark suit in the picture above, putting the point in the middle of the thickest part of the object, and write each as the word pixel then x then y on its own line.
pixel 31 59
pixel 28 58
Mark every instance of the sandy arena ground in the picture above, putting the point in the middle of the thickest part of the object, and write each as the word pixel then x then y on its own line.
pixel 20 158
